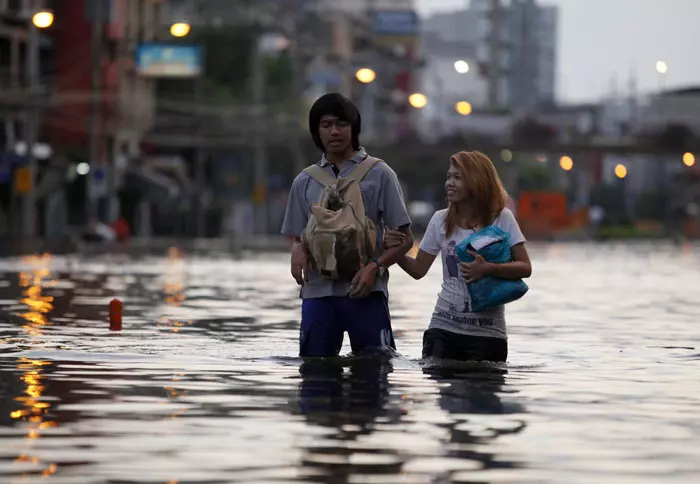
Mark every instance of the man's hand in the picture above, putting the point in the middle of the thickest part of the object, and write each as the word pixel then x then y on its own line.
pixel 363 282
pixel 300 263
pixel 473 271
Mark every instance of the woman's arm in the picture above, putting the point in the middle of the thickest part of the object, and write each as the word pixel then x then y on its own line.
pixel 519 268
pixel 419 266
pixel 416 267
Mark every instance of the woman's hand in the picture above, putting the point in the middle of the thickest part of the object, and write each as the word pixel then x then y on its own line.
pixel 393 238
pixel 473 271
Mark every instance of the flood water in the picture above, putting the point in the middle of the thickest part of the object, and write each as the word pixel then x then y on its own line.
pixel 203 383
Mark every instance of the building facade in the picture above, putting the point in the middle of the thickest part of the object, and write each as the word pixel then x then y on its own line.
pixel 511 48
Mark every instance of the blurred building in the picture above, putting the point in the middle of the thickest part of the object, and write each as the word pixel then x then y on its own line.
pixel 510 47
pixel 680 107
pixel 93 108
pixel 530 36
pixel 101 107
pixel 381 35
pixel 450 72
pixel 15 25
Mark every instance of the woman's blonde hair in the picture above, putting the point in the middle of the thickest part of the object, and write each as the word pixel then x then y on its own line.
pixel 484 189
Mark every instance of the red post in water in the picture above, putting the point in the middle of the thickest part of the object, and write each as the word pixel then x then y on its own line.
pixel 115 315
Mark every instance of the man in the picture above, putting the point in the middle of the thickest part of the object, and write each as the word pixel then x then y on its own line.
pixel 331 306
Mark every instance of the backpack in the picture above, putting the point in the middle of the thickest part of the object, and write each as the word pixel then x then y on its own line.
pixel 339 237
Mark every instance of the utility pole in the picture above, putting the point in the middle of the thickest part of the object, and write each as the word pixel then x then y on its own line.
pixel 259 150
pixel 32 128
pixel 297 90
pixel 199 158
pixel 95 104
pixel 494 42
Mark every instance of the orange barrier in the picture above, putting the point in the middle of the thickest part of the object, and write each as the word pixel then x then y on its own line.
pixel 540 214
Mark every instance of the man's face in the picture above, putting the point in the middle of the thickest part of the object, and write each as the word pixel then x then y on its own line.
pixel 336 134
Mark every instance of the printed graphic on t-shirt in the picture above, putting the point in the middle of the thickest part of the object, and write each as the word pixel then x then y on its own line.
pixel 451 259
pixel 457 295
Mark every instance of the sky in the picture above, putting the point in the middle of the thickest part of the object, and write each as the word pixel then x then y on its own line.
pixel 605 42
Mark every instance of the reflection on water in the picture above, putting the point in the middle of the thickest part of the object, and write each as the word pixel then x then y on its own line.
pixel 203 385
pixel 35 409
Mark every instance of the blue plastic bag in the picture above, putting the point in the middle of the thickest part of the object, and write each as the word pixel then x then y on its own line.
pixel 493 244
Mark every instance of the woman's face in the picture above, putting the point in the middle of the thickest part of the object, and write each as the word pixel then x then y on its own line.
pixel 454 185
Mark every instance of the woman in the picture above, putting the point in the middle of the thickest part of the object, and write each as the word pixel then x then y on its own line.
pixel 476 199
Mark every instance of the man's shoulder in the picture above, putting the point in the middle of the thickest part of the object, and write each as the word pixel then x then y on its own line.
pixel 381 168
pixel 303 176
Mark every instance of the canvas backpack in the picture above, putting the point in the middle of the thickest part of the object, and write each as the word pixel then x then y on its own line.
pixel 339 237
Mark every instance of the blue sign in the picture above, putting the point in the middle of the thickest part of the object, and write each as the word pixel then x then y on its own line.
pixel 98 174
pixel 5 168
pixel 169 60
pixel 396 22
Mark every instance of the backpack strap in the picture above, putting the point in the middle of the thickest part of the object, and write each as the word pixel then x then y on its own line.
pixel 362 168
pixel 320 175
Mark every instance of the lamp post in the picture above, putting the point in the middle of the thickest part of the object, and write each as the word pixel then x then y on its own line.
pixel 418 100
pixel 40 20
pixel 180 29
pixel 368 76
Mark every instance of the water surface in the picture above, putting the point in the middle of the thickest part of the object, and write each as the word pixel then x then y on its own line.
pixel 203 385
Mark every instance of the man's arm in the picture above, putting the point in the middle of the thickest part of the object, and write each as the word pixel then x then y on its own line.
pixel 295 219
pixel 393 213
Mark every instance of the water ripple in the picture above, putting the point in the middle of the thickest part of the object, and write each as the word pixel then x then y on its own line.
pixel 203 384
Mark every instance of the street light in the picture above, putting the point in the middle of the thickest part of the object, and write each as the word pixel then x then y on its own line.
pixel 365 75
pixel 82 169
pixel 180 29
pixel 620 171
pixel 43 19
pixel 661 67
pixel 566 163
pixel 418 100
pixel 462 66
pixel 464 108
pixel 688 159
pixel 40 20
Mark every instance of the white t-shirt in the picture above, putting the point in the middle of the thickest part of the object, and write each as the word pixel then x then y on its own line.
pixel 453 308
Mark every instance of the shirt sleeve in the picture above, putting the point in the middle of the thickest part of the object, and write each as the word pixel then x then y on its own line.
pixel 391 203
pixel 431 242
pixel 509 224
pixel 296 214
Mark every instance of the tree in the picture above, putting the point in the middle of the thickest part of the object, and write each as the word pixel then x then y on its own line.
pixel 228 61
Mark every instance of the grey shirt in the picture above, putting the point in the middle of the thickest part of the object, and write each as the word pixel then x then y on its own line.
pixel 384 205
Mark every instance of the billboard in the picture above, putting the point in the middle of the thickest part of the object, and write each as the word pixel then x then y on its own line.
pixel 169 60
pixel 400 23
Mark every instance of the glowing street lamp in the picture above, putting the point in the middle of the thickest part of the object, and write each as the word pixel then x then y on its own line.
pixel 418 100
pixel 661 67
pixel 688 159
pixel 180 29
pixel 43 19
pixel 566 163
pixel 464 108
pixel 365 75
pixel 621 171
pixel 462 67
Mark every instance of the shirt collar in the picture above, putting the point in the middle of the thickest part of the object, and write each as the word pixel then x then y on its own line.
pixel 359 156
